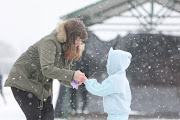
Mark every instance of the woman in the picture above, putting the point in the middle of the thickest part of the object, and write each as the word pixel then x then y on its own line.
pixel 50 58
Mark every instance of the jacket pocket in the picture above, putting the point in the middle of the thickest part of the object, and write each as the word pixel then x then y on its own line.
pixel 31 71
pixel 59 61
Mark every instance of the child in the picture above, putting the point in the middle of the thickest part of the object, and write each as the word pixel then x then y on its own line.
pixel 115 90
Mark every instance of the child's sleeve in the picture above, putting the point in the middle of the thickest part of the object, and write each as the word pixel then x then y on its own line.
pixel 95 88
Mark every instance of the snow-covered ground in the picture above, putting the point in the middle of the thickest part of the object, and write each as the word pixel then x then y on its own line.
pixel 12 111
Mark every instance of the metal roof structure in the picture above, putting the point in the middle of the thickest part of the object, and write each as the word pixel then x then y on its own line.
pixel 102 10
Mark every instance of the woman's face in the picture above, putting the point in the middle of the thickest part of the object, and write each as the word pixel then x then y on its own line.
pixel 78 41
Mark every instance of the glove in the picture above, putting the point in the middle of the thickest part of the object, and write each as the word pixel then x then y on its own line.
pixel 74 84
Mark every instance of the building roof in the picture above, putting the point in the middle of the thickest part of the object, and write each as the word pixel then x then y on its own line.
pixel 104 9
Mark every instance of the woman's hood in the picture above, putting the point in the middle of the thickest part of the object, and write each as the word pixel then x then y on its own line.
pixel 61 32
pixel 118 61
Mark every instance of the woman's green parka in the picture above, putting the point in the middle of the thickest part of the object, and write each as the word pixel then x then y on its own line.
pixel 44 61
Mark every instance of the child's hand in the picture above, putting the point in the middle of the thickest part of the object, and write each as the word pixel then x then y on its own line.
pixel 84 78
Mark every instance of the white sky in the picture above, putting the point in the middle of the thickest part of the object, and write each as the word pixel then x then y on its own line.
pixel 23 22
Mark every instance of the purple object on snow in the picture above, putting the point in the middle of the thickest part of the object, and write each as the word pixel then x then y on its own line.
pixel 74 84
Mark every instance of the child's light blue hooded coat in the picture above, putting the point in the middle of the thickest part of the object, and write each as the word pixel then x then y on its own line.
pixel 115 90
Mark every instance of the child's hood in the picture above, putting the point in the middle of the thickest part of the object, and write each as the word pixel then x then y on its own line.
pixel 118 61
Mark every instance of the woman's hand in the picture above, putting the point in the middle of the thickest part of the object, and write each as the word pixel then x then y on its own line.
pixel 85 78
pixel 79 76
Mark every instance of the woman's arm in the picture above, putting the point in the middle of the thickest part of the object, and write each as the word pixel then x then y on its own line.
pixel 47 52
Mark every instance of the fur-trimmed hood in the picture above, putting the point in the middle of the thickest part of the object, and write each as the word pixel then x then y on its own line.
pixel 61 33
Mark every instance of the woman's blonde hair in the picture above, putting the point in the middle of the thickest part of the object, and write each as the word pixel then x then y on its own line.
pixel 74 28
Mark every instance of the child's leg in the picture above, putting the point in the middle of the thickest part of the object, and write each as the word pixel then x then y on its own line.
pixel 117 117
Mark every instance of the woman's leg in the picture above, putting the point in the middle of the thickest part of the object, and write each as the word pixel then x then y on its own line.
pixel 28 102
pixel 47 111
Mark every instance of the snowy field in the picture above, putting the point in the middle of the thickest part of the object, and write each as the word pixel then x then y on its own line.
pixel 11 110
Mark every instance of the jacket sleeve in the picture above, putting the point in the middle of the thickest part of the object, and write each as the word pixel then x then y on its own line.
pixel 95 88
pixel 47 52
pixel 65 83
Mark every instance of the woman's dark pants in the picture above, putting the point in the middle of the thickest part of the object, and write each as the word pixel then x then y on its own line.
pixel 29 104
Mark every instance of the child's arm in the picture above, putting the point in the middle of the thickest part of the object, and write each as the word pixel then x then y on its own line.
pixel 103 89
